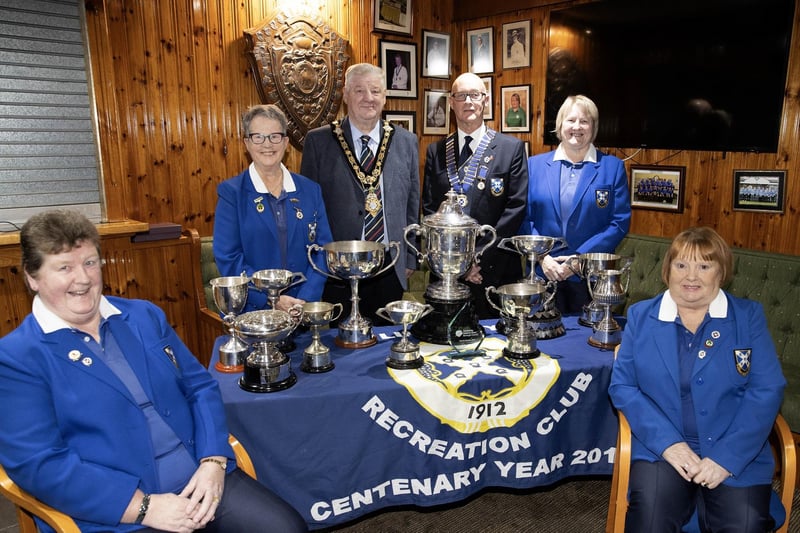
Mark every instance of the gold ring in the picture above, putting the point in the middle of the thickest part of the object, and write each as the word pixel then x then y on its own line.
pixel 215 500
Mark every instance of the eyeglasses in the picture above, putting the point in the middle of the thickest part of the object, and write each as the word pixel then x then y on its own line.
pixel 475 96
pixel 259 138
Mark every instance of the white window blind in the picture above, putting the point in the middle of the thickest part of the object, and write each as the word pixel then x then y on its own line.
pixel 48 151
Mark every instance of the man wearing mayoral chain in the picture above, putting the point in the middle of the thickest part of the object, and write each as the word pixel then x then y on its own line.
pixel 369 174
pixel 489 173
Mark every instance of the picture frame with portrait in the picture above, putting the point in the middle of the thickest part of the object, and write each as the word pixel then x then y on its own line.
pixel 393 16
pixel 516 44
pixel 435 54
pixel 402 119
pixel 658 187
pixel 515 105
pixel 437 112
pixel 480 50
pixel 488 109
pixel 759 190
pixel 399 64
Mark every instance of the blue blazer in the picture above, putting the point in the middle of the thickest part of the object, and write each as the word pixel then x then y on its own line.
pixel 324 162
pixel 734 412
pixel 602 213
pixel 247 241
pixel 75 437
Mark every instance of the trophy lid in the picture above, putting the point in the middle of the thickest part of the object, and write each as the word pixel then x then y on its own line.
pixel 450 214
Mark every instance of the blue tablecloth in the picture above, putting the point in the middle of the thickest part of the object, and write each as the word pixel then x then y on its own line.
pixel 361 437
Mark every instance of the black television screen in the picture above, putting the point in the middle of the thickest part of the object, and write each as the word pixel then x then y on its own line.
pixel 693 75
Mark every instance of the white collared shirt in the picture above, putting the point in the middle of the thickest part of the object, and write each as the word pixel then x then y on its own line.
pixel 50 322
pixel 561 155
pixel 668 310
pixel 476 135
pixel 258 183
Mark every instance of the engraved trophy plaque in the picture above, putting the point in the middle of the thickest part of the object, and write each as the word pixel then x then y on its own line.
pixel 230 296
pixel 267 369
pixel 518 303
pixel 547 321
pixel 450 238
pixel 354 261
pixel 404 353
pixel 274 281
pixel 317 356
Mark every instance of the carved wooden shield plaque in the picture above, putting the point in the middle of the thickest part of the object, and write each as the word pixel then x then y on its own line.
pixel 298 64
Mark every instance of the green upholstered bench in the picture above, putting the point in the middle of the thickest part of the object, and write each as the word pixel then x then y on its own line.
pixel 772 279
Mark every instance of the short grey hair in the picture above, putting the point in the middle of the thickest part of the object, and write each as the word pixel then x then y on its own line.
pixel 270 111
pixel 363 70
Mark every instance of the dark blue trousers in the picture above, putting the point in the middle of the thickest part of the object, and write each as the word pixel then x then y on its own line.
pixel 660 500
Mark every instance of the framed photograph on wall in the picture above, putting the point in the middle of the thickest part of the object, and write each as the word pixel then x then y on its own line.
pixel 480 50
pixel 401 119
pixel 516 104
pixel 399 64
pixel 759 190
pixel 435 54
pixel 437 112
pixel 658 187
pixel 392 16
pixel 488 110
pixel 516 42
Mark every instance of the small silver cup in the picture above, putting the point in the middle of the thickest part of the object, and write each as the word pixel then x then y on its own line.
pixel 404 354
pixel 317 356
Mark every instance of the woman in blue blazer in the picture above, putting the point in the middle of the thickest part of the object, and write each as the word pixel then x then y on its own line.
pixel 112 420
pixel 578 193
pixel 266 217
pixel 698 379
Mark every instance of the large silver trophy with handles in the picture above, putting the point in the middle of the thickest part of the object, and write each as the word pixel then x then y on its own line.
pixel 230 296
pixel 450 239
pixel 607 291
pixel 546 321
pixel 274 281
pixel 518 303
pixel 267 369
pixel 354 261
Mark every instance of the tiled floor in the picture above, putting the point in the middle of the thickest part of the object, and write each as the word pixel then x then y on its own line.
pixel 8 517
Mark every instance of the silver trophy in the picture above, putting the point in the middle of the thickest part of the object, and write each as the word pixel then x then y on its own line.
pixel 230 296
pixel 317 356
pixel 274 281
pixel 354 261
pixel 547 321
pixel 518 303
pixel 586 266
pixel 607 291
pixel 267 369
pixel 450 239
pixel 404 353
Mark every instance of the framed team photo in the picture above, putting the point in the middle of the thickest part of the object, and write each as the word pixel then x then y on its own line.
pixel 759 190
pixel 658 187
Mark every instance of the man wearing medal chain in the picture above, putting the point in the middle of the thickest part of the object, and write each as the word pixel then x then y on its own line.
pixel 372 200
pixel 491 181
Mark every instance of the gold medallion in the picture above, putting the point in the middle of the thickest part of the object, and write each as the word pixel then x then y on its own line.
pixel 372 203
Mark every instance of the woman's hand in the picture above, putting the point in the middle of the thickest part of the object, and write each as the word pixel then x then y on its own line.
pixel 204 491
pixel 710 474
pixel 473 275
pixel 285 302
pixel 682 459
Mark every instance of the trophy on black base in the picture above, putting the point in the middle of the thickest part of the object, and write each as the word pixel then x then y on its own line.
pixel 267 369
pixel 450 236
pixel 518 303
pixel 317 356
pixel 546 321
pixel 404 354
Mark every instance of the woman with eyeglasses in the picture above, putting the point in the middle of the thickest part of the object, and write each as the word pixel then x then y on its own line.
pixel 267 216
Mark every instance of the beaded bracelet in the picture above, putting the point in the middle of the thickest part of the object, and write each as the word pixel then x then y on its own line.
pixel 145 505
pixel 222 464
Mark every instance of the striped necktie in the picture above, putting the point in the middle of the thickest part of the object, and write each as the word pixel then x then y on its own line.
pixel 373 225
